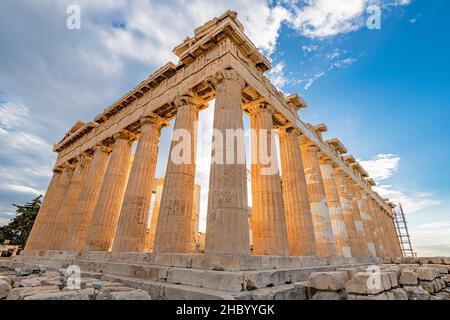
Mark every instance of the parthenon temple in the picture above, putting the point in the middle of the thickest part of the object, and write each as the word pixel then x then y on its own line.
pixel 316 211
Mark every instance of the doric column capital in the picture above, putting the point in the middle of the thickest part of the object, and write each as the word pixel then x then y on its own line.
pixel 227 75
pixel 260 105
pixel 85 156
pixel 289 130
pixel 57 170
pixel 69 165
pixel 155 120
pixel 125 135
pixel 102 147
pixel 183 100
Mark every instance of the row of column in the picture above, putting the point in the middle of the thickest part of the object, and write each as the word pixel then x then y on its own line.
pixel 100 202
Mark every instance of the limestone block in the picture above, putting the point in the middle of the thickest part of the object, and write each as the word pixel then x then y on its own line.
pixel 350 271
pixel 408 278
pixel 328 280
pixel 441 268
pixel 424 260
pixel 362 283
pixel 416 293
pixel 428 286
pixel 381 296
pixel 385 280
pixel 130 295
pixel 436 260
pixel 425 273
pixel 21 293
pixel 6 279
pixel 5 288
pixel 32 282
pixel 62 295
pixel 447 280
pixel 324 295
pixel 393 278
pixel 446 260
pixel 400 294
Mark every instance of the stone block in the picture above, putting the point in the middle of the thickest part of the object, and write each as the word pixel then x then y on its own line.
pixel 424 260
pixel 32 282
pixel 446 260
pixel 385 280
pixel 5 288
pixel 328 280
pixel 441 268
pixel 62 295
pixel 416 293
pixel 436 260
pixel 408 278
pixel 350 271
pixel 6 279
pixel 393 278
pixel 400 294
pixel 428 286
pixel 130 295
pixel 326 295
pixel 426 273
pixel 363 283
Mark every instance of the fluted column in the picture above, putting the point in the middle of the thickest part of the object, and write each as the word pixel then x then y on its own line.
pixel 373 226
pixel 364 210
pixel 175 214
pixel 323 231
pixel 380 231
pixel 50 229
pixel 84 209
pixel 227 230
pixel 347 210
pixel 34 239
pixel 268 224
pixel 155 212
pixel 109 203
pixel 357 220
pixel 132 227
pixel 299 224
pixel 64 217
pixel 334 205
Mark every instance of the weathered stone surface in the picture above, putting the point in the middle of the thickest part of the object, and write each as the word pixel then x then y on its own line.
pixel 6 279
pixel 32 282
pixel 416 293
pixel 436 260
pixel 21 293
pixel 5 288
pixel 425 273
pixel 326 295
pixel 446 260
pixel 130 295
pixel 441 268
pixel 400 294
pixel 428 286
pixel 328 280
pixel 61 295
pixel 393 278
pixel 362 283
pixel 408 278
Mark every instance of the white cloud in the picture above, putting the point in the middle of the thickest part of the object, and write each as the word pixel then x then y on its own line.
pixel 277 76
pixel 431 239
pixel 21 189
pixel 382 166
pixel 309 82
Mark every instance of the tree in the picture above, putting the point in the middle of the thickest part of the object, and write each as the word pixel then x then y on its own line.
pixel 18 230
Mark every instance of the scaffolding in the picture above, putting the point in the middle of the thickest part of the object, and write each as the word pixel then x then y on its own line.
pixel 402 232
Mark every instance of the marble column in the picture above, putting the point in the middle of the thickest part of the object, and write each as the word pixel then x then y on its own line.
pixel 323 231
pixel 175 214
pixel 227 229
pixel 50 229
pixel 155 212
pixel 64 217
pixel 34 239
pixel 107 210
pixel 357 220
pixel 347 210
pixel 299 223
pixel 132 227
pixel 364 210
pixel 334 205
pixel 268 224
pixel 373 226
pixel 195 218
pixel 380 230
pixel 84 209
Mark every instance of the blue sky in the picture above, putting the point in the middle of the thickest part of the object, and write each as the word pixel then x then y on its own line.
pixel 385 93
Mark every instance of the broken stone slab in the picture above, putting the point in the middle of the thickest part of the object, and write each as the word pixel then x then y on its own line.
pixel 5 288
pixel 350 271
pixel 130 295
pixel 400 294
pixel 328 295
pixel 416 293
pixel 6 279
pixel 441 268
pixel 436 260
pixel 428 286
pixel 446 260
pixel 328 280
pixel 21 293
pixel 365 283
pixel 426 273
pixel 408 278
pixel 393 278
pixel 30 282
pixel 380 296
pixel 62 295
